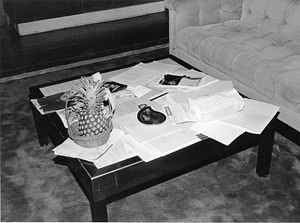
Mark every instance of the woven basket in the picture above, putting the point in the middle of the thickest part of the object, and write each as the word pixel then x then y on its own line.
pixel 89 141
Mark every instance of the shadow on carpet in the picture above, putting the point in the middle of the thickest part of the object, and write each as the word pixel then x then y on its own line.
pixel 36 188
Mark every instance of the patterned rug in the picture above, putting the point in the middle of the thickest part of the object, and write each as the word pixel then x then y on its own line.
pixel 36 186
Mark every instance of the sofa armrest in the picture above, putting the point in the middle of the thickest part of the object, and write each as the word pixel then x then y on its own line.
pixel 184 13
pixel 203 12
pixel 184 6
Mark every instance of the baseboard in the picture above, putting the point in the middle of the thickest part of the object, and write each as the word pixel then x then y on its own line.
pixel 161 47
pixel 46 25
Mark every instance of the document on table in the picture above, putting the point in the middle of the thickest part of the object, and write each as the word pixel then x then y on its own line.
pixel 205 80
pixel 176 114
pixel 220 131
pixel 145 153
pixel 65 86
pixel 49 104
pixel 172 142
pixel 214 87
pixel 136 76
pixel 143 132
pixel 139 90
pixel 57 88
pixel 117 153
pixel 160 67
pixel 160 146
pixel 111 152
pixel 253 118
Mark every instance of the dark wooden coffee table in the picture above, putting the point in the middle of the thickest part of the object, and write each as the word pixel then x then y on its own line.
pixel 130 176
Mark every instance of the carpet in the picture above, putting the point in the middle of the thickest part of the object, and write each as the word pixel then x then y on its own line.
pixel 36 186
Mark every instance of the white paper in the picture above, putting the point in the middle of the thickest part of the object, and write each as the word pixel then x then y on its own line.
pixel 212 88
pixel 177 113
pixel 206 79
pixel 254 117
pixel 220 131
pixel 57 88
pixel 139 90
pixel 142 132
pixel 160 67
pixel 135 76
pixel 117 153
pixel 172 142
pixel 216 106
pixel 71 149
pixel 145 153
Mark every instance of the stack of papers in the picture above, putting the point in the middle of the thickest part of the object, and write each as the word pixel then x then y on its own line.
pixel 155 140
pixel 181 80
pixel 49 104
pixel 142 73
pixel 111 152
pixel 253 119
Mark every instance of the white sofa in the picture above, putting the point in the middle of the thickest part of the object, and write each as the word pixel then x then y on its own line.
pixel 254 43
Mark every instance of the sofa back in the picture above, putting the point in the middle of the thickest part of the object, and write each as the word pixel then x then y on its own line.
pixel 215 11
pixel 273 15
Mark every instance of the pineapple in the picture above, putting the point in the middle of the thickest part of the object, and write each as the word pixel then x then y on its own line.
pixel 88 107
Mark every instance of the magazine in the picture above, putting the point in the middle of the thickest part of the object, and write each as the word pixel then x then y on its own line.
pixel 114 86
pixel 170 80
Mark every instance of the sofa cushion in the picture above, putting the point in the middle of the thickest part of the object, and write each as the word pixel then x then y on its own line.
pixel 257 57
pixel 273 15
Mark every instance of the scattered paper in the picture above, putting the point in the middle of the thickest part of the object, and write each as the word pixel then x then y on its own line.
pixel 117 153
pixel 216 106
pixel 70 149
pixel 220 131
pixel 139 90
pixel 135 76
pixel 143 132
pixel 254 117
pixel 160 67
pixel 153 141
pixel 211 88
pixel 49 104
pixel 205 80
pixel 169 143
pixel 176 114
pixel 145 153
pixel 57 88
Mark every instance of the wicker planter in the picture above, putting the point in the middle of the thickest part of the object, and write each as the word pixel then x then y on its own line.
pixel 89 110
pixel 89 141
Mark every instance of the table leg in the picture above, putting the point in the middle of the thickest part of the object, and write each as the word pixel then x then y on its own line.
pixel 264 154
pixel 99 211
pixel 40 130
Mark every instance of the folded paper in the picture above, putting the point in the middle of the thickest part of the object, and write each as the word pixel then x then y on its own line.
pixel 216 106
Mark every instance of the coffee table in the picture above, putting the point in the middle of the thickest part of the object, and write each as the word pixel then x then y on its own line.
pixel 130 176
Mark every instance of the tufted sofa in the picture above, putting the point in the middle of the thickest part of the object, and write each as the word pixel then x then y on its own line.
pixel 254 43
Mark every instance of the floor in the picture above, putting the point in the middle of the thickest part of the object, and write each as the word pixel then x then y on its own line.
pixel 39 51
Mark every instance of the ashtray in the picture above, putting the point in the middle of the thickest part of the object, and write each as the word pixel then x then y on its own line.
pixel 148 116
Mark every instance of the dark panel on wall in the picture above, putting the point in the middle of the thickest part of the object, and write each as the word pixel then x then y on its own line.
pixel 21 11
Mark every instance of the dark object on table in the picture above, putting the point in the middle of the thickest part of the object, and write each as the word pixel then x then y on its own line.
pixel 149 116
pixel 114 86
